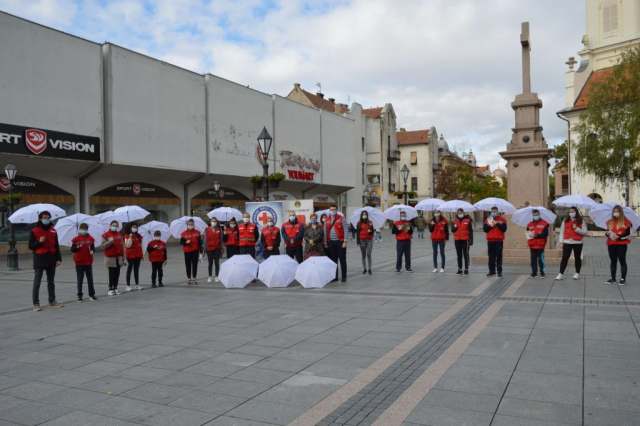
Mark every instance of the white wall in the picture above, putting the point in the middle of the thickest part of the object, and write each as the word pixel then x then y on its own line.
pixel 339 151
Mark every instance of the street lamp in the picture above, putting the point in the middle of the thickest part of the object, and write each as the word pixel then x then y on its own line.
pixel 12 255
pixel 216 188
pixel 405 176
pixel 264 141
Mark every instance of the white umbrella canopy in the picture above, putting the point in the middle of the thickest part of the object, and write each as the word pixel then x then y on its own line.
pixel 488 203
pixel 178 226
pixel 374 215
pixel 601 214
pixel 393 213
pixel 67 228
pixel 316 272
pixel 238 271
pixel 524 216
pixel 453 206
pixel 29 214
pixel 430 204
pixel 107 217
pixel 224 214
pixel 277 271
pixel 579 201
pixel 148 229
pixel 327 212
pixel 132 213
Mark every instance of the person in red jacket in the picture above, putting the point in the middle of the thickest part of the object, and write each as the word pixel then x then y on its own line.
pixel 248 234
pixel 134 255
pixel 292 234
pixel 270 239
pixel 403 230
pixel 213 237
pixel 335 240
pixel 537 234
pixel 113 244
pixel 231 238
pixel 364 239
pixel 157 250
pixel 495 226
pixel 462 228
pixel 43 241
pixel 619 237
pixel 83 246
pixel 191 242
pixel 439 235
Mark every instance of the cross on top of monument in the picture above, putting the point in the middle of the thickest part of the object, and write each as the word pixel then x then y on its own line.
pixel 526 58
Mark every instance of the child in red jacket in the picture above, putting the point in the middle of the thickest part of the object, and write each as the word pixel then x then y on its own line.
pixel 83 247
pixel 157 250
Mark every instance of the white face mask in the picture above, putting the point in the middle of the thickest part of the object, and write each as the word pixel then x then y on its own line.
pixel 437 214
pixel 572 215
pixel 157 238
pixel 233 225
pixel 134 230
pixel 245 219
pixel 403 218
pixel 214 224
pixel 190 226
pixel 270 223
pixel 460 215
pixel 616 214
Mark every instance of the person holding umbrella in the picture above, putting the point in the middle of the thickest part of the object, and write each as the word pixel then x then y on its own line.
pixel 462 228
pixel 213 236
pixel 313 236
pixel 83 247
pixel 231 238
pixel 157 250
pixel 43 241
pixel 248 236
pixel 364 239
pixel 537 234
pixel 439 236
pixel 134 255
pixel 575 228
pixel 293 234
pixel 618 238
pixel 113 244
pixel 495 227
pixel 335 241
pixel 270 239
pixel 403 230
pixel 191 242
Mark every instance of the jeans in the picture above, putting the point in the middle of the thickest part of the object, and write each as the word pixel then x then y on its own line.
pixel 378 236
pixel 566 254
pixel 618 253
pixel 81 271
pixel 337 253
pixel 403 247
pixel 134 265
pixel 435 245
pixel 495 256
pixel 420 233
pixel 462 250
pixel 214 257
pixel 537 259
pixel 294 253
pixel 156 271
pixel 366 247
pixel 51 287
pixel 191 263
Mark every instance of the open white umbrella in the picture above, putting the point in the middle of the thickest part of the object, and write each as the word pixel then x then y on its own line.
pixel 148 229
pixel 327 212
pixel 316 272
pixel 132 213
pixel 430 204
pixel 67 228
pixel 277 271
pixel 601 214
pixel 393 213
pixel 29 214
pixel 374 215
pixel 238 271
pixel 523 217
pixel 488 203
pixel 224 214
pixel 178 226
pixel 107 217
pixel 453 206
pixel 579 201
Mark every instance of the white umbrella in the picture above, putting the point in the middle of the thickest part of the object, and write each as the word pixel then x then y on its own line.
pixel 148 229
pixel 238 271
pixel 524 216
pixel 393 213
pixel 178 226
pixel 430 204
pixel 601 214
pixel 579 201
pixel 316 272
pixel 67 228
pixel 488 203
pixel 453 206
pixel 132 213
pixel 29 214
pixel 107 217
pixel 374 215
pixel 224 214
pixel 277 271
pixel 327 212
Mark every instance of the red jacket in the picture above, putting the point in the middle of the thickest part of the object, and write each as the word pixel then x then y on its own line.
pixel 402 235
pixel 366 230
pixel 570 233
pixel 157 251
pixel 292 230
pixel 135 251
pixel 439 232
pixel 115 250
pixel 193 236
pixel 337 225
pixel 496 232
pixel 231 236
pixel 540 230
pixel 81 247
pixel 270 235
pixel 463 229
pixel 247 234
pixel 49 244
pixel 621 232
pixel 213 236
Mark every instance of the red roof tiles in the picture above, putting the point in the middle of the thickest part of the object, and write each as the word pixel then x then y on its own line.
pixel 322 103
pixel 597 76
pixel 372 112
pixel 412 138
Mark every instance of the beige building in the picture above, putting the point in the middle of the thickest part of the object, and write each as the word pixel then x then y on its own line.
pixel 419 152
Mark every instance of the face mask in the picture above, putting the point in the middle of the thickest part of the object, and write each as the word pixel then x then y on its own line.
pixel 332 213
pixel 46 221
pixel 536 218
pixel 292 218
pixel 157 238
pixel 494 214
pixel 437 215
pixel 214 224
pixel 114 228
pixel 314 221
pixel 245 219
pixel 190 226
pixel 364 216
pixel 572 215
pixel 233 225
pixel 134 230
pixel 83 232
pixel 616 214
pixel 403 218
pixel 268 223
pixel 460 215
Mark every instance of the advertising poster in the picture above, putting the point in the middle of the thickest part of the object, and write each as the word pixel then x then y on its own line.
pixel 302 208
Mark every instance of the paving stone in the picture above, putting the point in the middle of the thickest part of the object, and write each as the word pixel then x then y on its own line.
pixel 187 380
pixel 598 417
pixel 32 413
pixel 82 418
pixel 34 391
pixel 441 416
pixel 154 392
pixel 75 398
pixel 211 368
pixel 230 421
pixel 301 390
pixel 251 349
pixel 214 403
pixel 161 415
pixel 270 412
pixel 546 411
pixel 261 375
pixel 7 401
pixel 239 388
pixel 111 385
pixel 121 408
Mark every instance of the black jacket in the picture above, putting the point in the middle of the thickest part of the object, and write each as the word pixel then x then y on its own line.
pixel 45 260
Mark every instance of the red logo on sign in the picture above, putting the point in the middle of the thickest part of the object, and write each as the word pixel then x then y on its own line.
pixel 221 193
pixel 36 140
pixel 136 189
pixel 4 184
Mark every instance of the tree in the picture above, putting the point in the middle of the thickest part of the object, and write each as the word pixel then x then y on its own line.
pixel 609 128
pixel 460 182
pixel 552 189
pixel 561 155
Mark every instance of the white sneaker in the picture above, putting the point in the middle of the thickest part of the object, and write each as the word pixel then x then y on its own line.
pixel 116 292
pixel 216 280
pixel 576 276
pixel 209 279
pixel 559 277
pixel 442 270
pixel 435 271
pixel 138 287
pixel 127 288
pixel 111 293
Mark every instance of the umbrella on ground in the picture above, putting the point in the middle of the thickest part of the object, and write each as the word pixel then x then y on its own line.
pixel 224 214
pixel 29 214
pixel 524 216
pixel 107 217
pixel 178 226
pixel 579 201
pixel 67 228
pixel 374 215
pixel 453 206
pixel 316 272
pixel 277 271
pixel 148 229
pixel 488 203
pixel 601 214
pixel 327 212
pixel 393 213
pixel 430 204
pixel 238 271
pixel 132 213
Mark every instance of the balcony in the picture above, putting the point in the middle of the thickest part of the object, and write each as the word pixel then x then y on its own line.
pixel 393 155
pixel 392 187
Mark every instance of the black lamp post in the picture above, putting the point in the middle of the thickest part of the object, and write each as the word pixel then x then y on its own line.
pixel 264 140
pixel 405 176
pixel 216 188
pixel 12 255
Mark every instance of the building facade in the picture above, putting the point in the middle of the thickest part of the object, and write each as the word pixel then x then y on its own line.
pixel 419 152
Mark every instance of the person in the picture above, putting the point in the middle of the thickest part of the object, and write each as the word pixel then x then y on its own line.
pixel 439 236
pixel 191 242
pixel 323 219
pixel 403 230
pixel 378 237
pixel 365 239
pixel 313 236
pixel 618 238
pixel 134 255
pixel 157 250
pixel 231 238
pixel 293 234
pixel 83 246
pixel 421 224
pixel 495 227
pixel 571 241
pixel 335 242
pixel 213 236
pixel 270 239
pixel 113 244
pixel 248 236
pixel 462 228
pixel 43 241
pixel 537 234
pixel 352 231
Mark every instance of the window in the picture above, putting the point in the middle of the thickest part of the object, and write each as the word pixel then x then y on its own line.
pixel 362 144
pixel 565 183
pixel 390 175
pixel 389 145
pixel 363 173
pixel 414 157
pixel 609 16
pixel 414 184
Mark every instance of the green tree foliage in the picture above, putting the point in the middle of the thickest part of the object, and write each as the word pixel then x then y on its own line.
pixel 561 155
pixel 461 182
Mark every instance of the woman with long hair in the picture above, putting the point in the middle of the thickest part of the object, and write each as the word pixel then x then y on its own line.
pixel 191 241
pixel 364 238
pixel 618 238
pixel 439 237
pixel 114 259
pixel 575 228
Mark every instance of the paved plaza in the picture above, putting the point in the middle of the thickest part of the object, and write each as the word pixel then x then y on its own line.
pixel 387 349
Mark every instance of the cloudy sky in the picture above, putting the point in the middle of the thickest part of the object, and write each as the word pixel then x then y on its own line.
pixel 453 64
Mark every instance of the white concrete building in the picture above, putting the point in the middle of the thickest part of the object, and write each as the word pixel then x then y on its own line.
pixel 419 151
